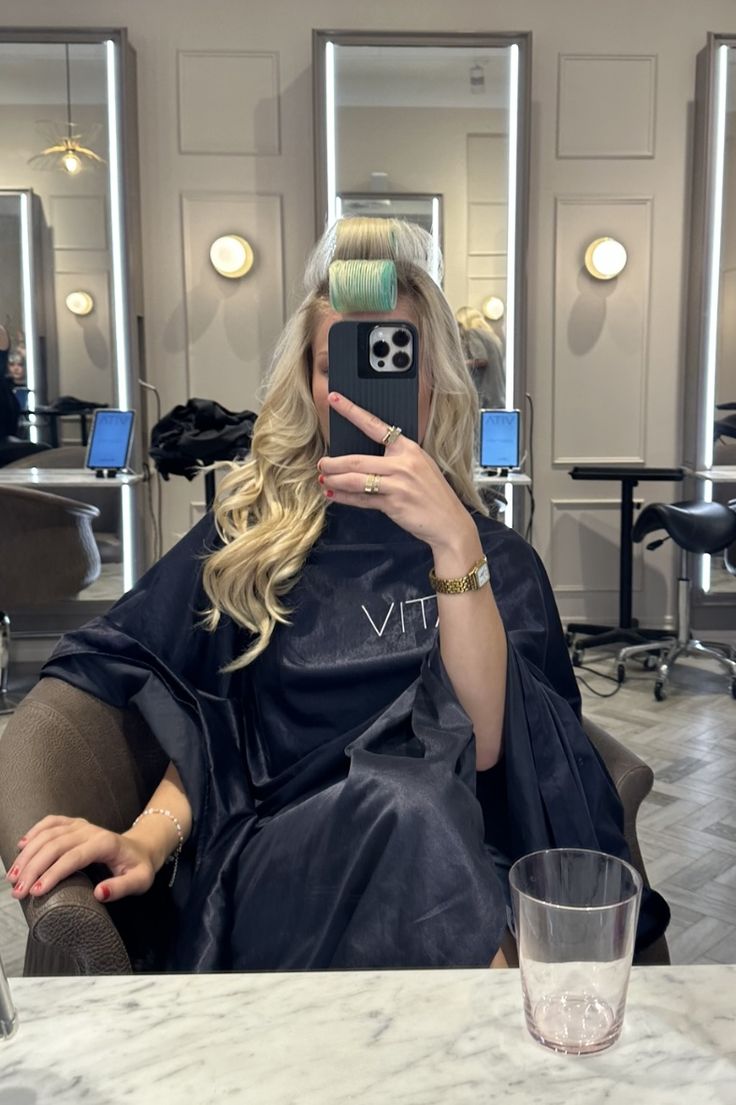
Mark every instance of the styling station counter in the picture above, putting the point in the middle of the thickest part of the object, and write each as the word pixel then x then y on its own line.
pixel 453 1037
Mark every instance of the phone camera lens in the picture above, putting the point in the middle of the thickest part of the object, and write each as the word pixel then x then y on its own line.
pixel 401 360
pixel 402 337
pixel 381 349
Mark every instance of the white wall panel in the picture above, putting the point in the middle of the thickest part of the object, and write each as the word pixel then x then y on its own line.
pixel 228 102
pixel 85 358
pixel 79 222
pixel 488 156
pixel 585 546
pixel 606 106
pixel 601 333
pixel 487 228
pixel 231 325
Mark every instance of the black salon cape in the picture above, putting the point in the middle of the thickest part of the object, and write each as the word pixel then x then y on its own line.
pixel 282 760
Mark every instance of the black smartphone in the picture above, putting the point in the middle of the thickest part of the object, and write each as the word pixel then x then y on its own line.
pixel 376 364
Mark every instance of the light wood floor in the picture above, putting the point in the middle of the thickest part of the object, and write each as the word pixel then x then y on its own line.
pixel 687 827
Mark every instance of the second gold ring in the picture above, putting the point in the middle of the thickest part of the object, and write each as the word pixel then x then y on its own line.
pixel 372 484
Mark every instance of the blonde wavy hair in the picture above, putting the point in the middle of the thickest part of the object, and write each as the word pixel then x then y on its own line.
pixel 270 510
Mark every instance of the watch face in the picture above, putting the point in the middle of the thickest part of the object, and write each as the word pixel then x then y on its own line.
pixel 483 575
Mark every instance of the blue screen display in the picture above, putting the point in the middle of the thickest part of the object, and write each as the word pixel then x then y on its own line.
pixel 499 439
pixel 108 443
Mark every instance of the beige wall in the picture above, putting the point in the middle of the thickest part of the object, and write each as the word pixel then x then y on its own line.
pixel 652 99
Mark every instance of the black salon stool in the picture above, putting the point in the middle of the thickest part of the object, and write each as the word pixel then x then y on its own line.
pixel 697 527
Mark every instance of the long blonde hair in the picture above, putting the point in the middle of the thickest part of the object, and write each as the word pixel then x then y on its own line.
pixel 270 509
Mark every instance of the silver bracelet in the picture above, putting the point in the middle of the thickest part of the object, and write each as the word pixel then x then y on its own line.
pixel 174 857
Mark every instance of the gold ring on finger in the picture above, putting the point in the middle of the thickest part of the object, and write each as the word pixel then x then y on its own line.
pixel 392 433
pixel 372 484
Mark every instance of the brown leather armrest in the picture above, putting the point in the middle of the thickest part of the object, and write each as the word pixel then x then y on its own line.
pixel 72 921
pixel 632 778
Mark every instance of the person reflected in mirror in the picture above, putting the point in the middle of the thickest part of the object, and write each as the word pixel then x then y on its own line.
pixel 10 410
pixel 484 357
pixel 358 677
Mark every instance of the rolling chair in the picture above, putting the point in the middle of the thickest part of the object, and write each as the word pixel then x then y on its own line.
pixel 696 527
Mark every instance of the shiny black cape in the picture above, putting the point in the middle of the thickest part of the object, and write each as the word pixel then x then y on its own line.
pixel 331 689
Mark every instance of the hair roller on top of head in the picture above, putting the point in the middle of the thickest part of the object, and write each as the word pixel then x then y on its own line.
pixel 363 286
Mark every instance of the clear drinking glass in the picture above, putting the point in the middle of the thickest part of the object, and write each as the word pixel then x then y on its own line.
pixel 575 914
pixel 8 1015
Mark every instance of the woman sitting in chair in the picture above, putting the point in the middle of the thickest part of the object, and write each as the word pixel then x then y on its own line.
pixel 364 728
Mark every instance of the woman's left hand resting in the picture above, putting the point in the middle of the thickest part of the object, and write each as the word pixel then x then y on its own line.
pixel 412 490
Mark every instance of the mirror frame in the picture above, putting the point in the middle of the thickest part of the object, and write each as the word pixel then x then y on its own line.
pixel 518 169
pixel 125 254
pixel 701 345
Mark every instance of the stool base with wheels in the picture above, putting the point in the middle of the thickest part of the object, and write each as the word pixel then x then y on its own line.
pixel 696 527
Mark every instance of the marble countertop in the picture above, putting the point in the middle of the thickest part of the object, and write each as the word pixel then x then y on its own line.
pixel 372 1038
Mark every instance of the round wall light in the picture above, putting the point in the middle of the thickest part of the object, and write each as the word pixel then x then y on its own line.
pixel 605 258
pixel 231 256
pixel 493 308
pixel 80 303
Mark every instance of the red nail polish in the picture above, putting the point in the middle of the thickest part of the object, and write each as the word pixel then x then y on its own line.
pixel 14 872
pixel 18 888
pixel 105 891
pixel 36 886
pixel 334 397
pixel 321 479
pixel 329 494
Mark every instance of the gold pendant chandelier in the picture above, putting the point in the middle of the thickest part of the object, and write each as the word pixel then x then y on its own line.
pixel 69 149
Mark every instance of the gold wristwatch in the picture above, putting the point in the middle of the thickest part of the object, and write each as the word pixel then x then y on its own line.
pixel 476 578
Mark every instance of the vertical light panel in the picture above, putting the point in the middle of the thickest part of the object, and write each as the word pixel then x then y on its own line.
pixel 511 249
pixel 117 224
pixel 713 278
pixel 330 132
pixel 28 314
pixel 714 247
pixel 119 289
pixel 436 239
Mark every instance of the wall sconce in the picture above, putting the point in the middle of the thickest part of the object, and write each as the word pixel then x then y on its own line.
pixel 80 303
pixel 231 256
pixel 605 258
pixel 493 308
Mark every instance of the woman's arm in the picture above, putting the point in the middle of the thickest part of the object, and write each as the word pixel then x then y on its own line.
pixel 473 643
pixel 157 833
pixel 57 846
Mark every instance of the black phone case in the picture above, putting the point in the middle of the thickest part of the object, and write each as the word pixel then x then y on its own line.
pixel 392 396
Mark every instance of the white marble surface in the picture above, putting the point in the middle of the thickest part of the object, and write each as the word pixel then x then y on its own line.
pixel 370 1038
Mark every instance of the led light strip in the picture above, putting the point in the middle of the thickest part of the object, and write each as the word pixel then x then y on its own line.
pixel 330 132
pixel 120 290
pixel 511 249
pixel 29 319
pixel 713 288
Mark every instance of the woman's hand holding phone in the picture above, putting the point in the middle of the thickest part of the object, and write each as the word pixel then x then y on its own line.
pixel 411 488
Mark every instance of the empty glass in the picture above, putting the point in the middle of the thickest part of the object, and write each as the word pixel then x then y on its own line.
pixel 575 913
pixel 8 1015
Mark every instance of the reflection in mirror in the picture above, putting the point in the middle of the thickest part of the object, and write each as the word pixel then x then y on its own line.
pixel 710 427
pixel 65 173
pixel 434 129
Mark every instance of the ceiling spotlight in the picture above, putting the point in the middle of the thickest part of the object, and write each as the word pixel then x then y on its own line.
pixel 231 256
pixel 80 303
pixel 493 308
pixel 605 258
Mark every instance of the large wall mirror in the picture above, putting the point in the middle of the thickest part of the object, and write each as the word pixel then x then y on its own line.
pixel 70 289
pixel 435 128
pixel 710 407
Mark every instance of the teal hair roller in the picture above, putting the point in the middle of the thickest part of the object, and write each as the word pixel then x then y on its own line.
pixel 363 286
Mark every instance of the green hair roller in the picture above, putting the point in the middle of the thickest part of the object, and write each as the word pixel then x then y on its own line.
pixel 363 286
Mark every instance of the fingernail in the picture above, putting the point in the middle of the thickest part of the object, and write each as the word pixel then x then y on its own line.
pixel 23 840
pixel 36 885
pixel 329 494
pixel 105 892
pixel 334 397
pixel 321 479
pixel 13 873
pixel 18 888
